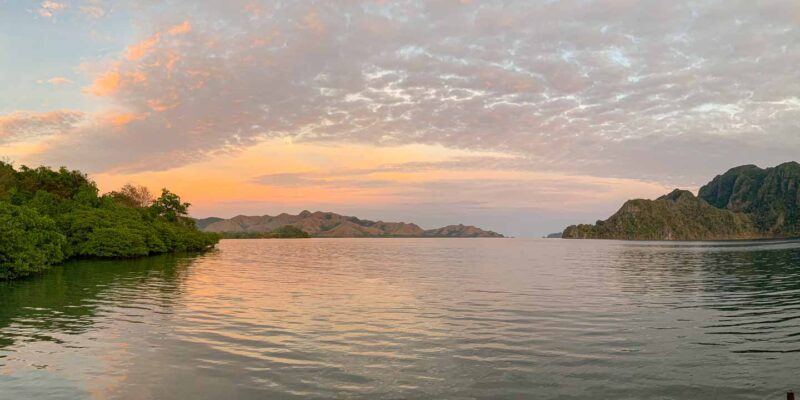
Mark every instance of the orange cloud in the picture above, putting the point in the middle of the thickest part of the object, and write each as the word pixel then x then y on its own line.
pixel 142 48
pixel 110 82
pixel 182 28
pixel 172 59
pixel 107 84
pixel 160 105
pixel 119 119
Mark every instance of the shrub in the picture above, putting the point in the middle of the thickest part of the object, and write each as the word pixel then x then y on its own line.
pixel 30 243
pixel 115 242
pixel 49 215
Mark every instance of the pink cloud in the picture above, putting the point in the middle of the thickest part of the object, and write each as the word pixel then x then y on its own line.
pixel 48 8
pixel 25 123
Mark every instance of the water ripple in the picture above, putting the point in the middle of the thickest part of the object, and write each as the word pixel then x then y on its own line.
pixel 408 318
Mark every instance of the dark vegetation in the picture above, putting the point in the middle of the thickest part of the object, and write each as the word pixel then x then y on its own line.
pixel 676 216
pixel 48 216
pixel 746 202
pixel 770 196
pixel 283 232
pixel 204 222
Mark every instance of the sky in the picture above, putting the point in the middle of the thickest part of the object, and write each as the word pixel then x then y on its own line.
pixel 516 116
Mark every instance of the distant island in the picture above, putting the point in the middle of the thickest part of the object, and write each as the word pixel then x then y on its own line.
pixel 283 232
pixel 48 216
pixel 328 224
pixel 747 202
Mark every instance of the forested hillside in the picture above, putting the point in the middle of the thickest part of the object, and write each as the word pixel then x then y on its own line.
pixel 746 202
pixel 48 216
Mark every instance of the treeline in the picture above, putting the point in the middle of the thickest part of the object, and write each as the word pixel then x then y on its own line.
pixel 48 216
pixel 283 232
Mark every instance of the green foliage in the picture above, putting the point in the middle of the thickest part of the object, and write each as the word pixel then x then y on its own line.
pixel 62 184
pixel 30 242
pixel 283 232
pixel 676 216
pixel 744 203
pixel 769 195
pixel 288 231
pixel 169 206
pixel 47 216
pixel 181 237
pixel 119 242
pixel 8 179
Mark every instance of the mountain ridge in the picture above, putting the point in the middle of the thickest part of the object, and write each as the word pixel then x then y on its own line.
pixel 328 224
pixel 746 202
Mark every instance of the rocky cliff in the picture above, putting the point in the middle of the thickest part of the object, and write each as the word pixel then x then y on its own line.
pixel 770 196
pixel 747 202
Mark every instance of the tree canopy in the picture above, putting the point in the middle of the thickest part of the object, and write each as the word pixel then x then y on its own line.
pixel 170 207
pixel 49 215
pixel 133 196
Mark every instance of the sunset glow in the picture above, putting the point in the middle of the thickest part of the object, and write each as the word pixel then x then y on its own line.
pixel 417 110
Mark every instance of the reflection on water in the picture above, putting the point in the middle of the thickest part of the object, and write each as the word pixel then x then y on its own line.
pixel 68 299
pixel 411 318
pixel 67 333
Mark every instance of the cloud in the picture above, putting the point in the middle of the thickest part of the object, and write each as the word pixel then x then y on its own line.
pixel 93 8
pixel 48 9
pixel 463 163
pixel 146 46
pixel 182 28
pixel 112 81
pixel 106 84
pixel 485 181
pixel 22 124
pixel 453 163
pixel 613 88
pixel 119 119
pixel 142 48
pixel 335 181
pixel 286 180
pixel 56 81
pixel 89 8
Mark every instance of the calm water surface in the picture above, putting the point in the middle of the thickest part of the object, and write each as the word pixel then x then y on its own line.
pixel 411 319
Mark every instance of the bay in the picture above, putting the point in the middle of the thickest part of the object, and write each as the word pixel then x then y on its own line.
pixel 411 319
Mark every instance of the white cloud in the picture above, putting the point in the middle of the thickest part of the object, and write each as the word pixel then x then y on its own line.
pixel 614 88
